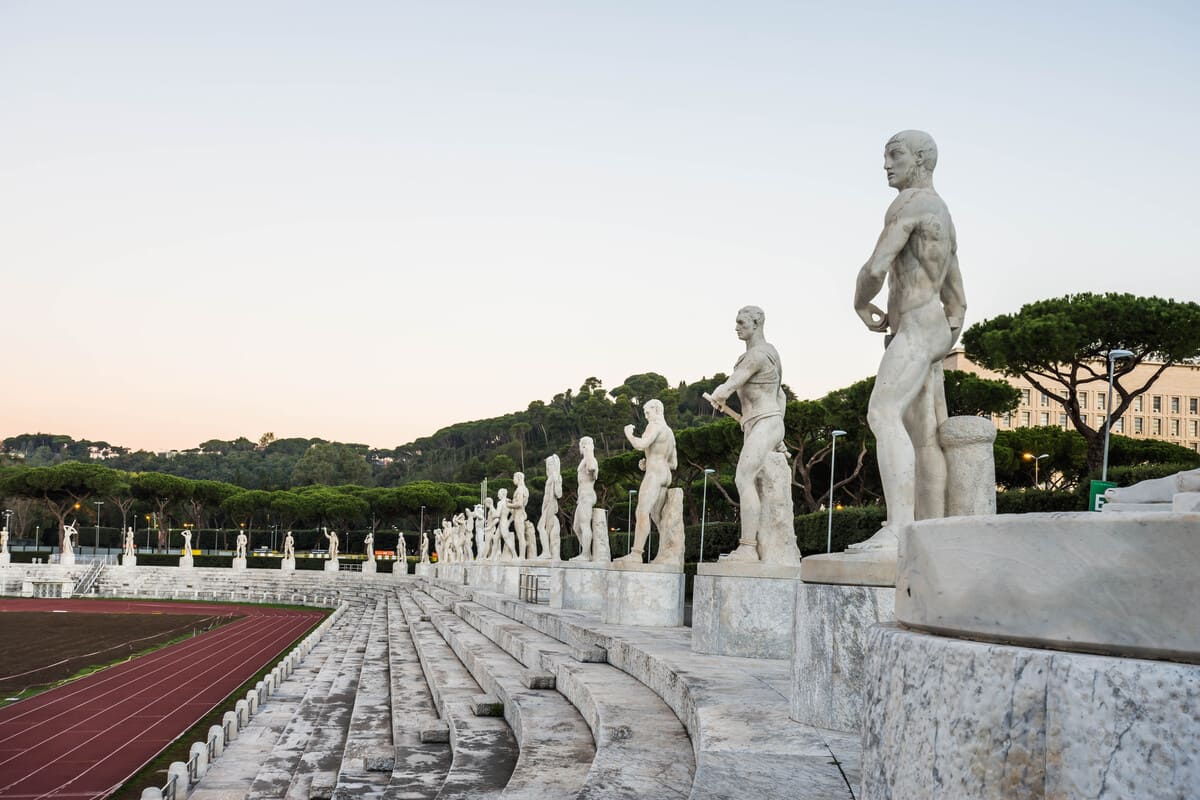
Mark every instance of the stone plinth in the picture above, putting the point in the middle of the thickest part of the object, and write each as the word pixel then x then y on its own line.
pixel 1087 582
pixel 66 559
pixel 400 567
pixel 455 572
pixel 829 651
pixel 332 565
pixel 744 609
pixel 288 565
pixel 368 567
pixel 973 721
pixel 865 568
pixel 187 562
pixel 643 594
pixel 238 563
pixel 578 584
pixel 970 465
pixel 5 559
pixel 425 569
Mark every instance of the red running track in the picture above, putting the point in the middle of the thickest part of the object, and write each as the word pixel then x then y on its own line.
pixel 85 739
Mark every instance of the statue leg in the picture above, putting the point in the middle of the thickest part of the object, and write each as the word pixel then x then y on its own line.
pixel 921 421
pixel 519 527
pixel 584 532
pixel 761 440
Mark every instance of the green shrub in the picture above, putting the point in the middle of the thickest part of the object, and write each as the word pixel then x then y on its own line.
pixel 850 525
pixel 1027 501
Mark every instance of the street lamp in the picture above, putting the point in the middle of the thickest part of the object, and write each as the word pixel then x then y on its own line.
pixel 704 510
pixel 832 461
pixel 629 523
pixel 1035 460
pixel 1113 355
pixel 96 549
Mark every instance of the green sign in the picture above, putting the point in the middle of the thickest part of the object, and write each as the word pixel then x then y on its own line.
pixel 1096 498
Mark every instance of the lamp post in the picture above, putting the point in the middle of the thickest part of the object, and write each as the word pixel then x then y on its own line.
pixel 1035 460
pixel 1113 355
pixel 629 523
pixel 96 549
pixel 704 511
pixel 832 462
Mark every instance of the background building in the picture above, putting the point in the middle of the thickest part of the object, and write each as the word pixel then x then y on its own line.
pixel 1169 410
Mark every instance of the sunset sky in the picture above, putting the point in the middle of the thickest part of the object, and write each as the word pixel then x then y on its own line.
pixel 363 221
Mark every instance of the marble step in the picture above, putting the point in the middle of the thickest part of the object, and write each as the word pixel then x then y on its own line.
pixel 484 749
pixel 642 749
pixel 556 745
pixel 369 756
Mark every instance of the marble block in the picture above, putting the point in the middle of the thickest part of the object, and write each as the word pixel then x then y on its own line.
pixel 187 562
pixel 643 594
pixel 508 577
pixel 453 572
pixel 578 584
pixel 1186 503
pixel 744 609
pixel 1087 582
pixel 857 568
pixel 332 565
pixel 288 565
pixel 66 559
pixel 950 718
pixel 126 561
pixel 368 567
pixel 830 648
pixel 5 559
pixel 238 563
pixel 425 569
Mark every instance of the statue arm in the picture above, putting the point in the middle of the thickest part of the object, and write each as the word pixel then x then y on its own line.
pixel 954 300
pixel 743 371
pixel 897 228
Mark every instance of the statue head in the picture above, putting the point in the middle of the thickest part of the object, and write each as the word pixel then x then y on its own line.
pixel 519 478
pixel 502 494
pixel 553 465
pixel 750 321
pixel 586 445
pixel 909 158
pixel 654 409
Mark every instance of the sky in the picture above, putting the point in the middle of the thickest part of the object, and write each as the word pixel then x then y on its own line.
pixel 364 221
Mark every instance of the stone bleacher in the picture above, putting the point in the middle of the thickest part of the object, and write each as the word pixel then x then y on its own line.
pixel 420 688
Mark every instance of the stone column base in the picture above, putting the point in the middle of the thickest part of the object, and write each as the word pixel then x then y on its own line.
pixel 643 594
pixel 288 565
pixel 956 718
pixel 5 559
pixel 453 572
pixel 369 567
pixel 126 561
pixel 66 560
pixel 830 648
pixel 744 609
pixel 578 584
pixel 186 562
pixel 426 569
pixel 238 563
pixel 332 565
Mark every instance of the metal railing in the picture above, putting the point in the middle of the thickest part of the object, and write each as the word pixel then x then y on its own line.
pixel 85 583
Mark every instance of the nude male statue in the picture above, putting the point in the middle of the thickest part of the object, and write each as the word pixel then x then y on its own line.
pixel 242 541
pixel 332 536
pixel 69 532
pixel 504 549
pixel 520 499
pixel 187 542
pixel 917 253
pixel 757 379
pixel 1156 490
pixel 4 540
pixel 548 525
pixel 289 546
pixel 479 524
pixel 130 548
pixel 658 443
pixel 369 545
pixel 585 498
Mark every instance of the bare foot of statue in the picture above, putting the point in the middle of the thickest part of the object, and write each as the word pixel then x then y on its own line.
pixel 746 551
pixel 634 557
pixel 580 557
pixel 884 539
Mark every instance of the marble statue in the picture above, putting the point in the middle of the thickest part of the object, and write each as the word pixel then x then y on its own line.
pixel 479 524
pixel 187 542
pixel 585 499
pixel 504 549
pixel 4 540
pixel 548 526
pixel 424 547
pixel 130 548
pixel 401 549
pixel 1156 490
pixel 332 536
pixel 491 530
pixel 369 545
pixel 658 443
pixel 242 541
pixel 757 380
pixel 70 536
pixel 917 255
pixel 289 546
pixel 520 499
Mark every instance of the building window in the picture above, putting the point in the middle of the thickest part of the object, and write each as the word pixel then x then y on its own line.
pixel 1008 419
pixel 1193 405
pixel 1137 403
pixel 1156 404
pixel 1139 424
pixel 1100 400
pixel 1083 399
pixel 1156 426
pixel 1119 425
pixel 1045 401
pixel 1024 397
pixel 1044 418
pixel 1025 419
pixel 1175 405
pixel 1083 418
pixel 1194 428
pixel 1174 427
pixel 1062 420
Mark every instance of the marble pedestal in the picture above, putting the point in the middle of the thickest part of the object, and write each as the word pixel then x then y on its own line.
pixel 187 562
pixel 578 584
pixel 426 569
pixel 947 717
pixel 744 609
pixel 66 559
pixel 5 559
pixel 238 563
pixel 288 565
pixel 368 567
pixel 128 561
pixel 332 565
pixel 643 594
pixel 453 572
pixel 829 651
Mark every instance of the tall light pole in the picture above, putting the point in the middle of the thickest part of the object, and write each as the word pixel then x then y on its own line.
pixel 629 523
pixel 96 549
pixel 832 462
pixel 704 510
pixel 1113 355
pixel 1035 460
